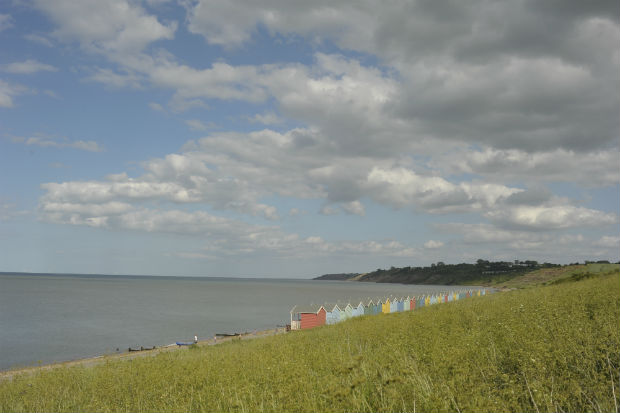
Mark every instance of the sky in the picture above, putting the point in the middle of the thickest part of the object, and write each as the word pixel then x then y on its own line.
pixel 277 138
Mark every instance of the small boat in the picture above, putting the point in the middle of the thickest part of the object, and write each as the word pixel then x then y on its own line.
pixel 148 348
pixel 228 334
pixel 182 343
pixel 141 348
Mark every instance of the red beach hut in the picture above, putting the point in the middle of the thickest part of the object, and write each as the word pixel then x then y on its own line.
pixel 308 316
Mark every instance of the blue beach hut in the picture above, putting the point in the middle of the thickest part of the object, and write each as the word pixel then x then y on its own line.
pixel 400 304
pixel 377 307
pixel 333 313
pixel 394 305
pixel 358 310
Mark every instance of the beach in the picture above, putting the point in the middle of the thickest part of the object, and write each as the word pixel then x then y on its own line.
pixel 47 319
pixel 129 355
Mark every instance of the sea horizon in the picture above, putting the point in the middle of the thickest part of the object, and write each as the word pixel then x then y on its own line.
pixel 48 318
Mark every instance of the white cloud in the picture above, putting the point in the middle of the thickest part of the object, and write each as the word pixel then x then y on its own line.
pixel 116 80
pixel 195 124
pixel 10 90
pixel 6 22
pixel 608 242
pixel 354 207
pixel 590 168
pixel 550 217
pixel 93 210
pixel 92 191
pixel 117 27
pixel 36 38
pixel 10 211
pixel 329 210
pixel 432 244
pixel 7 92
pixel 52 142
pixel 491 242
pixel 457 80
pixel 221 236
pixel 156 107
pixel 466 74
pixel 27 67
pixel 268 118
pixel 297 212
pixel 401 187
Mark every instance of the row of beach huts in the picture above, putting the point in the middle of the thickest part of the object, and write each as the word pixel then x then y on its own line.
pixel 305 317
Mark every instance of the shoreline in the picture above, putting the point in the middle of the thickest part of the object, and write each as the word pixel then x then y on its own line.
pixel 129 355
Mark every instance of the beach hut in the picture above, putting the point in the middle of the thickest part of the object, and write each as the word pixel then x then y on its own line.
pixel 347 312
pixel 427 301
pixel 400 304
pixel 343 313
pixel 394 305
pixel 445 297
pixel 369 308
pixel 385 307
pixel 332 315
pixel 358 310
pixel 305 317
pixel 407 304
pixel 412 303
pixel 378 307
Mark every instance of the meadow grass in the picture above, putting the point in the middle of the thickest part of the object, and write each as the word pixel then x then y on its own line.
pixel 546 276
pixel 554 348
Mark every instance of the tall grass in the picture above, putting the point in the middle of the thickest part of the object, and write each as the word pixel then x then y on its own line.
pixel 554 348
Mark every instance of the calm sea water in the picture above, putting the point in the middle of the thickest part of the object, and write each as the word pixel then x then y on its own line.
pixel 47 318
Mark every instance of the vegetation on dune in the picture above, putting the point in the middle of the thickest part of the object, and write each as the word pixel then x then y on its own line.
pixel 556 275
pixel 554 348
pixel 483 272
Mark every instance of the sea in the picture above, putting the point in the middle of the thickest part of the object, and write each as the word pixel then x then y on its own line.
pixel 47 318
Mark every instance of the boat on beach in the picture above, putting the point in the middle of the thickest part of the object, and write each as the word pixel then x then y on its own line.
pixel 227 334
pixel 141 348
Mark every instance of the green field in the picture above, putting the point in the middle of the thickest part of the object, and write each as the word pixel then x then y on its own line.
pixel 553 348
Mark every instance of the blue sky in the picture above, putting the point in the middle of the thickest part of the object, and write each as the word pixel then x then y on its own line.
pixel 284 139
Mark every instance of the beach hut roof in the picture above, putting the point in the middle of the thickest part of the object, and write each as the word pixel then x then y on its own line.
pixel 370 302
pixel 331 306
pixel 313 309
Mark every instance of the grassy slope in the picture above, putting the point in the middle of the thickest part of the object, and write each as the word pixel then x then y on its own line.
pixel 546 276
pixel 551 348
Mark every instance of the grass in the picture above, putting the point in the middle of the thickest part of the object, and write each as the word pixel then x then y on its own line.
pixel 554 348
pixel 546 276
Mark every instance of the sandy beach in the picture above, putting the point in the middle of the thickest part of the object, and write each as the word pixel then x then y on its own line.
pixel 128 355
